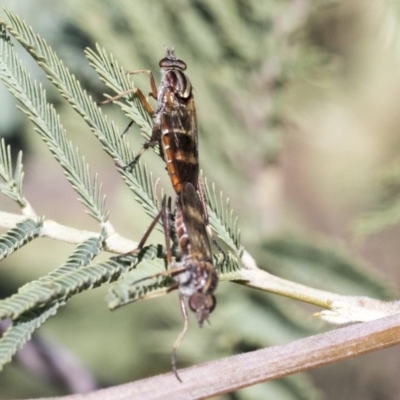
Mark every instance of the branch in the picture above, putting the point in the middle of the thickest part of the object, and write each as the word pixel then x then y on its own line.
pixel 53 230
pixel 339 309
pixel 236 372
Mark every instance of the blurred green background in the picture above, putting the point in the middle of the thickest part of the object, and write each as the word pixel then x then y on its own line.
pixel 298 117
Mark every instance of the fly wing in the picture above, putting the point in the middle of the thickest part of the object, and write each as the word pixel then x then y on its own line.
pixel 188 118
pixel 179 121
pixel 194 221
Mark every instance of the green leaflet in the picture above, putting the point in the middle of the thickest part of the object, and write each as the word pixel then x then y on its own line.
pixel 139 283
pixel 17 237
pixel 20 331
pixel 70 278
pixel 222 219
pixel 116 79
pixel 13 182
pixel 44 291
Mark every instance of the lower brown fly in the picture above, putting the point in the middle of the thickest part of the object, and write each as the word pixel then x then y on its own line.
pixel 192 270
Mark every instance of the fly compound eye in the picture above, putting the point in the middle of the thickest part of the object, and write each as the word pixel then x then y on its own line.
pixel 212 302
pixel 168 63
pixel 180 64
pixel 196 301
pixel 202 305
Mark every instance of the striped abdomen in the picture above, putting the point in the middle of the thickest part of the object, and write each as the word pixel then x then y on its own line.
pixel 177 119
pixel 199 279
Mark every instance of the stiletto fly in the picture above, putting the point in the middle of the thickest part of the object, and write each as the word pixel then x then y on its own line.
pixel 192 270
pixel 175 122
pixel 175 126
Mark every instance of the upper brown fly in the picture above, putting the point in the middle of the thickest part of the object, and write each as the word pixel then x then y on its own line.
pixel 175 125
pixel 175 128
pixel 176 118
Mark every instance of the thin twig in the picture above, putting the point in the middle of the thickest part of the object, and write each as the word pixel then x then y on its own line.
pixel 339 309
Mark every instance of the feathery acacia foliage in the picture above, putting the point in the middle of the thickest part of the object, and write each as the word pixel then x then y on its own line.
pixel 20 331
pixel 22 234
pixel 47 122
pixel 388 213
pixel 118 81
pixel 38 300
pixel 71 90
pixel 12 186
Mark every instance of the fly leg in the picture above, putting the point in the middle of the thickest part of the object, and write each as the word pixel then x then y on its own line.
pixel 154 140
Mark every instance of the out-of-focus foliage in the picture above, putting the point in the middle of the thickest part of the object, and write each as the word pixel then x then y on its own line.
pixel 388 213
pixel 318 264
pixel 245 60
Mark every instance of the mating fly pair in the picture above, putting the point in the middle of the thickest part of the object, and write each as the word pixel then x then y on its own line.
pixel 175 131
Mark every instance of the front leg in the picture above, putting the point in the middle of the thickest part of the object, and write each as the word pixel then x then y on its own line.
pixel 154 140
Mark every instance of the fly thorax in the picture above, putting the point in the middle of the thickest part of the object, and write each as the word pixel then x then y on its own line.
pixel 178 83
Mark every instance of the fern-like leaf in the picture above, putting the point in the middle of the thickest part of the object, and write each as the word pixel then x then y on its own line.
pixel 20 331
pixel 116 79
pixel 47 123
pixel 228 270
pixel 41 292
pixel 61 287
pixel 84 253
pixel 17 237
pixel 12 187
pixel 35 302
pixel 129 289
pixel 222 219
pixel 72 91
